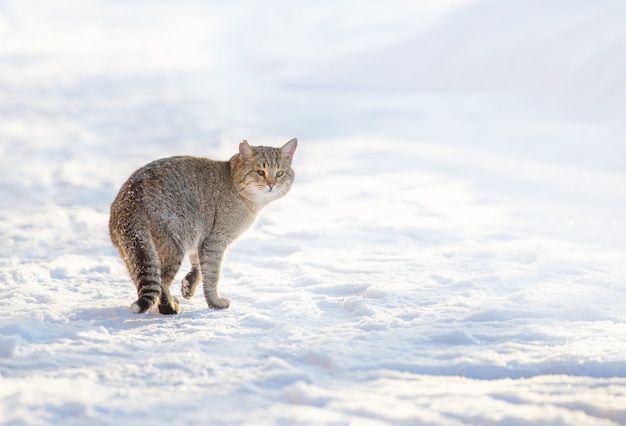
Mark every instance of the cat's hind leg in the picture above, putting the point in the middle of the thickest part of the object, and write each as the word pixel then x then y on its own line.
pixel 193 278
pixel 170 263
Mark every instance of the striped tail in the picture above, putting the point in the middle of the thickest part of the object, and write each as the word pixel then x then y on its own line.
pixel 144 267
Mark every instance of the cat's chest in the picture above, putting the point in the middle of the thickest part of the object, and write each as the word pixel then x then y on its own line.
pixel 226 215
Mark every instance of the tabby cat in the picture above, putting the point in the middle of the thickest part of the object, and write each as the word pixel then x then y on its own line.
pixel 187 205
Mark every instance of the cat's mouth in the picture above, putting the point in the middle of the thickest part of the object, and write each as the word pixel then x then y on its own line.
pixel 271 192
pixel 266 193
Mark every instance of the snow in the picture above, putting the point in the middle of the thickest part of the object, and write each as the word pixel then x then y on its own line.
pixel 452 251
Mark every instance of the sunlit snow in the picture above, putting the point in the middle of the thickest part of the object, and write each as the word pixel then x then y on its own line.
pixel 453 250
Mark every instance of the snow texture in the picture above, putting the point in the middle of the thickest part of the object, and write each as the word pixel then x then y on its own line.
pixel 452 251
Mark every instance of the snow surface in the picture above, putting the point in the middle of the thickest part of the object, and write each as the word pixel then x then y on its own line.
pixel 453 250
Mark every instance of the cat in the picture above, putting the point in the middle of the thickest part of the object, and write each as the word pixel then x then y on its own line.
pixel 193 206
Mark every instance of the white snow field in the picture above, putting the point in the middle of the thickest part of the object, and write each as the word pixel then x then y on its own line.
pixel 453 250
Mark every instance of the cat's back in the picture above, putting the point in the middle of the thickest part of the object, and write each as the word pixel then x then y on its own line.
pixel 180 182
pixel 179 170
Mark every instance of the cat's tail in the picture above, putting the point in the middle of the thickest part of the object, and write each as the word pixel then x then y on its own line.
pixel 143 265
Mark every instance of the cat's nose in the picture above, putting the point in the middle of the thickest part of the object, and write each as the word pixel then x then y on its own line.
pixel 271 185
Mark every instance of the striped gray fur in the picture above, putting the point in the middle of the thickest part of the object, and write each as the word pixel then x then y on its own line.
pixel 192 206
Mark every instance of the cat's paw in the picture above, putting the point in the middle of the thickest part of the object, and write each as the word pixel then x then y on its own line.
pixel 171 307
pixel 189 284
pixel 186 289
pixel 142 305
pixel 219 303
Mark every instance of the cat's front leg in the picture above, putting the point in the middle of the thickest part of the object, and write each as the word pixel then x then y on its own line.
pixel 211 256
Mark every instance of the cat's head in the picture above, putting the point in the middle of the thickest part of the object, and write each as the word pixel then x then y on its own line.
pixel 263 173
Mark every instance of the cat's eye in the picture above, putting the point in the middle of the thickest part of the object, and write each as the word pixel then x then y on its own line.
pixel 279 173
pixel 260 172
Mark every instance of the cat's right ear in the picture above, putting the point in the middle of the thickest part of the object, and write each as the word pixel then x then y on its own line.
pixel 245 150
pixel 288 149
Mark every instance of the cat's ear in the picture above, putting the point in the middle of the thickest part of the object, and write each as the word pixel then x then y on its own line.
pixel 289 148
pixel 245 150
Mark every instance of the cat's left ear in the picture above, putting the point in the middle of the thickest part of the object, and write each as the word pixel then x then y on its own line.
pixel 289 148
pixel 245 150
